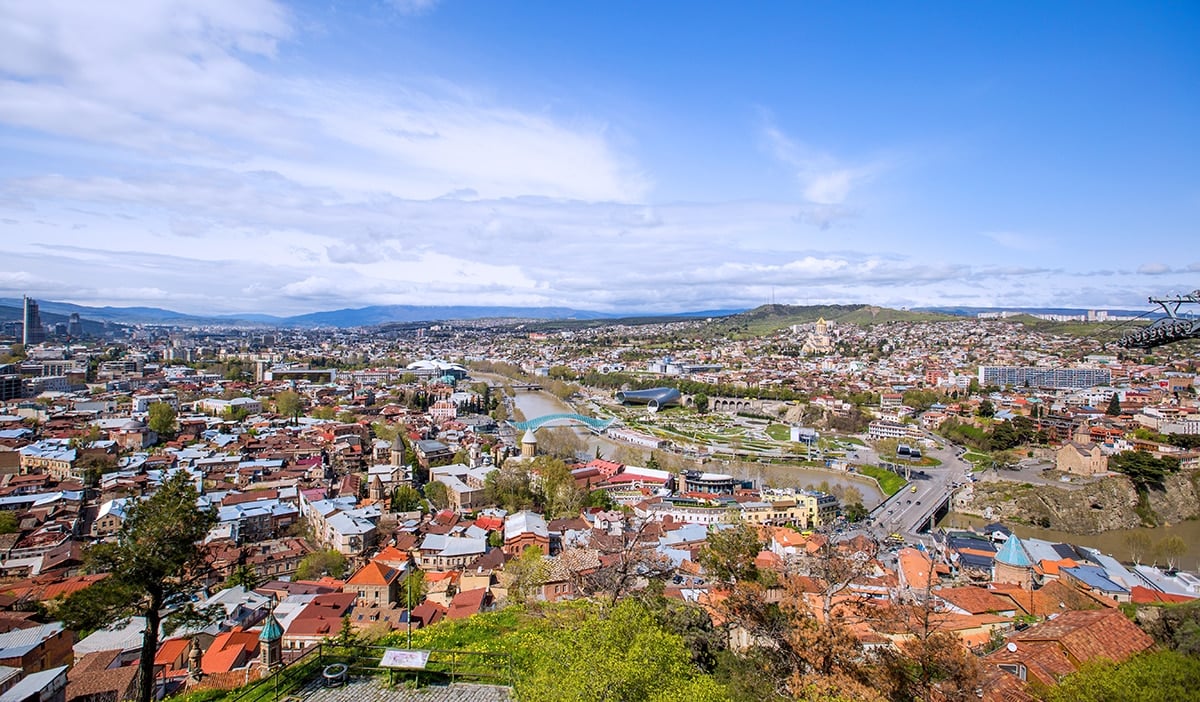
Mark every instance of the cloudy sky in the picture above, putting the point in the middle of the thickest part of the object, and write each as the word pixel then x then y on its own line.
pixel 256 156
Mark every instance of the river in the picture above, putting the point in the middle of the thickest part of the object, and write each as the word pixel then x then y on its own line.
pixel 537 404
pixel 1114 543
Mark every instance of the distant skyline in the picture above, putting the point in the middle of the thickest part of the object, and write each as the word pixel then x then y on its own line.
pixel 240 156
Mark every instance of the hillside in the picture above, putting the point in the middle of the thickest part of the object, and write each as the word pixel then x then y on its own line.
pixel 770 318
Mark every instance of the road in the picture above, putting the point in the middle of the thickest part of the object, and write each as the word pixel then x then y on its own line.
pixel 910 510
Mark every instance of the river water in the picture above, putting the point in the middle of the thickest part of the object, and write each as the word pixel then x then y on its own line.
pixel 537 404
pixel 1115 543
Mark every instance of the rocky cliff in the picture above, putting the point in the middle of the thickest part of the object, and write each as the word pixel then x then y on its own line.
pixel 1110 503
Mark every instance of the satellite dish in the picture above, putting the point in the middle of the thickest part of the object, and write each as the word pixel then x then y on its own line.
pixel 1012 647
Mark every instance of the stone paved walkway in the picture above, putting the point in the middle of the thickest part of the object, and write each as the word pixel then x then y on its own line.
pixel 371 691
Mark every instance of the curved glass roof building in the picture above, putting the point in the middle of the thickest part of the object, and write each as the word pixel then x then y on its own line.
pixel 653 398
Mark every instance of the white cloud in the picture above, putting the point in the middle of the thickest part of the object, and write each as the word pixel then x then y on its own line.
pixel 186 82
pixel 823 179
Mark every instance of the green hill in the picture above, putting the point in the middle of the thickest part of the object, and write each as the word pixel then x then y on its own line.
pixel 769 318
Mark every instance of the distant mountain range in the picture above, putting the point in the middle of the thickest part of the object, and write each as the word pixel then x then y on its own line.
pixel 758 319
pixel 52 312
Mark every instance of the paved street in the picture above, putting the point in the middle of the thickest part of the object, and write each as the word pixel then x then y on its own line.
pixel 909 510
pixel 370 691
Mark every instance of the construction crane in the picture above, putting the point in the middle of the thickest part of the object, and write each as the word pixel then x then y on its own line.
pixel 1166 330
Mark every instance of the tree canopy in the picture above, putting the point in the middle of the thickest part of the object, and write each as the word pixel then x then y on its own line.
pixel 1144 468
pixel 289 404
pixel 162 419
pixel 155 556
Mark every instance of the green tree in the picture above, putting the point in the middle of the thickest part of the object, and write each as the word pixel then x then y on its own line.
pixel 405 498
pixel 509 487
pixel 1161 676
pixel 728 554
pixel 156 555
pixel 319 563
pixel 413 588
pixel 1171 548
pixel 623 655
pixel 1114 406
pixel 559 496
pixel 527 573
pixel 289 404
pixel 1143 468
pixel 8 522
pixel 162 419
pixel 243 575
pixel 1139 544
pixel 600 499
pixel 438 494
pixel 701 402
pixel 986 409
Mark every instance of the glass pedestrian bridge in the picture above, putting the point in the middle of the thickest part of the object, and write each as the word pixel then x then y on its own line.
pixel 596 425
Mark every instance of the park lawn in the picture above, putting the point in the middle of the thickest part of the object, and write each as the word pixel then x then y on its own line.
pixel 980 461
pixel 779 432
pixel 889 482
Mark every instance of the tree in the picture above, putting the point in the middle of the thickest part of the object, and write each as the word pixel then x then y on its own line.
pixel 600 499
pixel 559 496
pixel 628 558
pixel 412 588
pixel 509 487
pixel 728 555
pixel 986 409
pixel 623 654
pixel 289 404
pixel 701 402
pixel 243 575
pixel 1161 676
pixel 526 574
pixel 1114 406
pixel 405 498
pixel 155 556
pixel 1172 548
pixel 560 442
pixel 438 494
pixel 162 419
pixel 1143 468
pixel 1140 545
pixel 8 522
pixel 320 563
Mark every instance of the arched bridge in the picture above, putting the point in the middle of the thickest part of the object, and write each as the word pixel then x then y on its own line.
pixel 592 423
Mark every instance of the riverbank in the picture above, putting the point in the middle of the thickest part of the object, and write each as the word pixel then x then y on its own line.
pixel 1119 543
pixel 539 403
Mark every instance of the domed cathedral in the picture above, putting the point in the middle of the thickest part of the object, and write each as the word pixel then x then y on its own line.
pixel 819 341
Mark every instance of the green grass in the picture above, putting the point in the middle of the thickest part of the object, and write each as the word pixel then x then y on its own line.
pixel 779 432
pixel 980 461
pixel 889 482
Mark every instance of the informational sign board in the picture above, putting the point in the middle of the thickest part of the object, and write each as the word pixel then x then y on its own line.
pixel 409 659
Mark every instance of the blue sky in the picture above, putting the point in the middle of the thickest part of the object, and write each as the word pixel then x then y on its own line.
pixel 250 155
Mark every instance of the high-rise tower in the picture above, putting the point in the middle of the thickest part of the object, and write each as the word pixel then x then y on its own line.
pixel 34 332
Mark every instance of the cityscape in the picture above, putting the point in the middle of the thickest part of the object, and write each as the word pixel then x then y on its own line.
pixel 427 350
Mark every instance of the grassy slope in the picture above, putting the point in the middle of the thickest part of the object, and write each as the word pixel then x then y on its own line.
pixel 769 318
